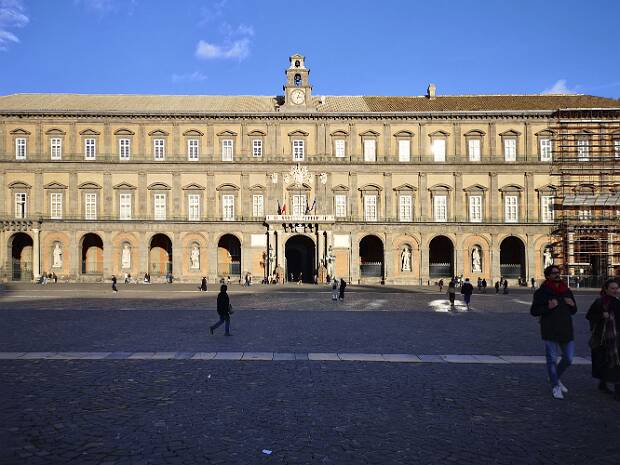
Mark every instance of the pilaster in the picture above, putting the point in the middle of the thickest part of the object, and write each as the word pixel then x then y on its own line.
pixel 354 195
pixel 176 196
pixel 423 196
pixel 244 197
pixel 108 266
pixel 107 195
pixel 492 141
pixel 211 213
pixel 530 198
pixel 142 195
pixel 459 210
pixel 39 207
pixel 36 252
pixel 493 198
pixel 386 156
pixel 73 200
pixel 388 196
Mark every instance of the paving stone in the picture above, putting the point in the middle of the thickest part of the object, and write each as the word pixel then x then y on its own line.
pixel 228 356
pixel 281 356
pixel 460 359
pixel 524 358
pixel 489 359
pixel 11 355
pixel 257 356
pixel 431 358
pixel 361 357
pixel 203 356
pixel 404 358
pixel 164 355
pixel 324 356
pixel 301 356
pixel 141 355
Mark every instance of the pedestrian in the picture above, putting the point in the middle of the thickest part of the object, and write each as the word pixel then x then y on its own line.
pixel 497 287
pixel 126 278
pixel 505 286
pixel 334 289
pixel 54 277
pixel 224 310
pixel 554 304
pixel 452 292
pixel 479 283
pixel 484 285
pixel 343 284
pixel 203 284
pixel 604 318
pixel 440 284
pixel 114 289
pixel 300 279
pixel 533 281
pixel 467 290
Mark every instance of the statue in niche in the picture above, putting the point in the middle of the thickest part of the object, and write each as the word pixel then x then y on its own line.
pixel 547 257
pixel 476 260
pixel 405 259
pixel 195 257
pixel 57 256
pixel 126 257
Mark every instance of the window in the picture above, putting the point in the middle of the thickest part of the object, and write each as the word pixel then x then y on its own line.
pixel 227 150
pixel 298 150
pixel 125 206
pixel 90 149
pixel 56 205
pixel 405 211
pixel 511 209
pixel 475 208
pixel 510 149
pixel 583 150
pixel 258 209
pixel 473 149
pixel 439 150
pixel 228 207
pixel 370 207
pixel 159 204
pixel 546 208
pixel 124 149
pixel 257 148
pixel 440 208
pixel 159 146
pixel 404 150
pixel 20 205
pixel 193 207
pixel 56 148
pixel 617 149
pixel 584 215
pixel 341 205
pixel 370 150
pixel 20 148
pixel 545 149
pixel 299 204
pixel 90 204
pixel 192 150
pixel 339 146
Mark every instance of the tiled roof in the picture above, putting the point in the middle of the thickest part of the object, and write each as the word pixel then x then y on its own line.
pixel 179 104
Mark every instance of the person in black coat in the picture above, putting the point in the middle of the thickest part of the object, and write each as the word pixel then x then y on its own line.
pixel 224 310
pixel 343 284
pixel 203 284
pixel 467 290
pixel 114 289
pixel 604 318
pixel 554 304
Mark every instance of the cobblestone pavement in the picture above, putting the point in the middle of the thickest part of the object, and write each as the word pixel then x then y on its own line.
pixel 120 411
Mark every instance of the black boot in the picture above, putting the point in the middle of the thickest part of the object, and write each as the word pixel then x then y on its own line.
pixel 602 386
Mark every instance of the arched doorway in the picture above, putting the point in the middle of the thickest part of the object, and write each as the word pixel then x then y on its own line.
pixel 371 257
pixel 229 256
pixel 441 258
pixel 590 263
pixel 160 255
pixel 512 258
pixel 299 253
pixel 92 254
pixel 20 267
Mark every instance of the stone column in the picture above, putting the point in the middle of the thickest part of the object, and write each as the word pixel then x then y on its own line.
pixel 177 204
pixel 421 132
pixel 245 200
pixel 3 197
pixel 280 239
pixel 38 194
pixel 178 254
pixel 73 200
pixel 354 196
pixel 107 196
pixel 387 136
pixel 457 142
pixel 174 151
pixel 108 251
pixel 354 260
pixel 321 140
pixel 320 248
pixel 459 260
pixel 423 196
pixel 530 199
pixel 75 256
pixel 388 257
pixel 142 209
pixel 212 259
pixel 211 213
pixel 36 251
pixel 271 242
pixel 459 210
pixel 530 155
pixel 388 196
pixel 353 142
pixel 493 198
pixel 244 152
pixel 492 142
pixel 424 258
pixel 142 248
pixel 530 272
pixel 495 263
pixel 210 149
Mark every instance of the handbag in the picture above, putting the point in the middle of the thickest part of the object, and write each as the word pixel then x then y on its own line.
pixel 597 337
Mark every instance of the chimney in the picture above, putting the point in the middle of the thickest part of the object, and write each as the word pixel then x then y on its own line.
pixel 430 92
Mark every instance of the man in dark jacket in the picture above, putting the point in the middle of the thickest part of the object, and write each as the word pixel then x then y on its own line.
pixel 223 310
pixel 467 290
pixel 555 304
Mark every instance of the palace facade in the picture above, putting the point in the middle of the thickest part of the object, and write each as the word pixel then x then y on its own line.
pixel 400 190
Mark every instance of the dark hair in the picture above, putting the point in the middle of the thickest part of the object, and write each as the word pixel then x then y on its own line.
pixel 607 283
pixel 223 288
pixel 549 269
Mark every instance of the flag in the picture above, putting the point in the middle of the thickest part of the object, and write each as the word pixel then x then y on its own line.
pixel 279 208
pixel 307 207
pixel 283 209
pixel 313 205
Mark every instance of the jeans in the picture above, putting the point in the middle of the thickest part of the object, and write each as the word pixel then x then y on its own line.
pixel 219 323
pixel 552 350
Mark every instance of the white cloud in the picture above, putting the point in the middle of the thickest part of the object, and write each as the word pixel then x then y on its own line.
pixel 239 49
pixel 559 87
pixel 11 16
pixel 196 76
pixel 213 12
pixel 108 6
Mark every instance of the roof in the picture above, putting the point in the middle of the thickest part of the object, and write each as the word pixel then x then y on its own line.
pixel 192 104
pixel 599 200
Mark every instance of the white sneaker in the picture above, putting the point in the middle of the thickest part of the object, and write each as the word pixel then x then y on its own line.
pixel 557 392
pixel 563 388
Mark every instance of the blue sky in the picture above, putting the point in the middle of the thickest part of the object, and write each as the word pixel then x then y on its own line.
pixel 361 47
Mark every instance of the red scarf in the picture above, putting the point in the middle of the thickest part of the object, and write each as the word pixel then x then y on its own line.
pixel 557 287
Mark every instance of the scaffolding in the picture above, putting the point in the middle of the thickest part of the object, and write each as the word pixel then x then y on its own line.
pixel 586 173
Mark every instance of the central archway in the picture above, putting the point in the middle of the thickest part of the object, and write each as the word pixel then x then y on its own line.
pixel 300 253
pixel 92 254
pixel 441 258
pixel 371 257
pixel 512 258
pixel 160 255
pixel 21 257
pixel 229 256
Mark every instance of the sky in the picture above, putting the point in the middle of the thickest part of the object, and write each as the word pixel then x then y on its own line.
pixel 358 47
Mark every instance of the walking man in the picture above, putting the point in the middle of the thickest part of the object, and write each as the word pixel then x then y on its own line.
pixel 555 304
pixel 334 289
pixel 203 284
pixel 343 284
pixel 114 289
pixel 224 310
pixel 467 290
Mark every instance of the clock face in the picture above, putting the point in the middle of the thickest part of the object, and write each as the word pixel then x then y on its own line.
pixel 297 96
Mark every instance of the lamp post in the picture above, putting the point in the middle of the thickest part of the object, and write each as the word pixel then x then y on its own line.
pixel 270 257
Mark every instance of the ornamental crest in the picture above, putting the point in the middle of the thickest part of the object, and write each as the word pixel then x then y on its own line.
pixel 298 174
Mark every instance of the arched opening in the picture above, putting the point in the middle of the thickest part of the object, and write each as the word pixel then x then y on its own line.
pixel 590 262
pixel 160 255
pixel 371 257
pixel 441 258
pixel 92 254
pixel 512 258
pixel 299 253
pixel 20 266
pixel 229 256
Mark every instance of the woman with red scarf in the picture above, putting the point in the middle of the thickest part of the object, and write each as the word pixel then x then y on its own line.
pixel 604 318
pixel 554 304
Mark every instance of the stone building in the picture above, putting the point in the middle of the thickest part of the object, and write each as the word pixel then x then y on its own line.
pixel 395 189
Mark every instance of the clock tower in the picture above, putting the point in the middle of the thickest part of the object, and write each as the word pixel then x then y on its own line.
pixel 297 90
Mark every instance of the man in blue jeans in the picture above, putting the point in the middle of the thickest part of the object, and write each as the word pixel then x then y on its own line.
pixel 555 305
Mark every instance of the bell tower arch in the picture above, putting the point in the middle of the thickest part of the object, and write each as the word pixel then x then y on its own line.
pixel 297 90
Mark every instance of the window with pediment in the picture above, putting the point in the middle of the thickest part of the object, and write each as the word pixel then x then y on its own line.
pixel 473 141
pixel 227 145
pixel 55 142
pixel 124 195
pixel 439 142
pixel 341 196
pixel 257 143
pixel 405 198
pixel 440 199
pixel 192 144
pixel 298 144
pixel 20 141
pixel 339 143
pixel 511 196
pixel 124 139
pixel 371 201
pixel 545 145
pixel 193 201
pixel 403 145
pixel 228 196
pixel 476 196
pixel 159 200
pixel 159 139
pixel 369 145
pixel 89 139
pixel 21 194
pixel 510 144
